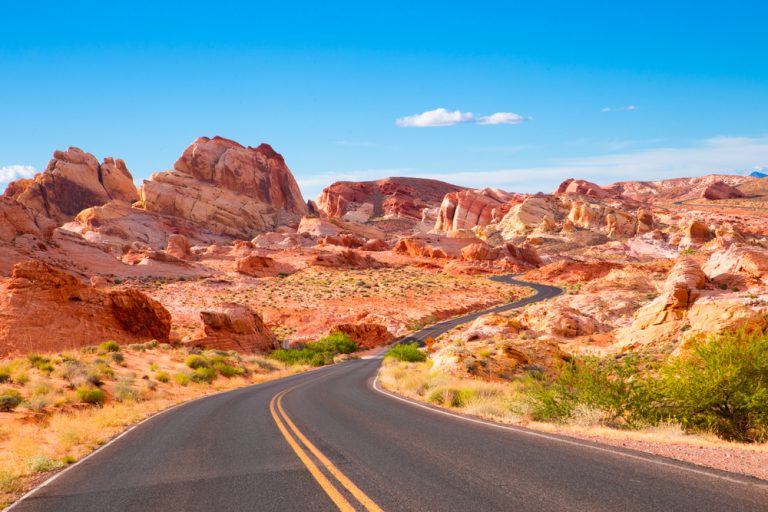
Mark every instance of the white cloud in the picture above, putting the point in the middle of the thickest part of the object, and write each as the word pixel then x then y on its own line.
pixel 501 118
pixel 14 172
pixel 618 109
pixel 444 117
pixel 437 117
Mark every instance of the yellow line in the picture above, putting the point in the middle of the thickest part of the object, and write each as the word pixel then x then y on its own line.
pixel 367 502
pixel 326 485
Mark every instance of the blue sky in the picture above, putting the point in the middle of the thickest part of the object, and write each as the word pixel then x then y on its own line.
pixel 686 85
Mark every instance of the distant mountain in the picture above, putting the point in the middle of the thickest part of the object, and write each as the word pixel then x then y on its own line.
pixel 757 174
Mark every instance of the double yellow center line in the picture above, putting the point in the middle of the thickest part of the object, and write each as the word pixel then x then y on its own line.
pixel 289 430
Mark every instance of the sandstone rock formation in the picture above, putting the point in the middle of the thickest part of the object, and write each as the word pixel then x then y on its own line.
pixel 581 187
pixel 179 247
pixel 346 259
pixel 234 327
pixel 696 233
pixel 367 335
pixel 45 310
pixel 16 219
pixel 229 189
pixel 73 181
pixel 315 227
pixel 399 197
pixel 469 208
pixel 261 266
pixel 721 190
pixel 737 266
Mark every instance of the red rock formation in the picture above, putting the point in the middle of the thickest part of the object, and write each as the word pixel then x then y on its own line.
pixel 73 181
pixel 261 266
pixel 469 208
pixel 346 259
pixel 479 251
pixel 376 245
pixel 524 254
pixel 16 219
pixel 349 241
pixel 178 247
pixel 403 197
pixel 721 190
pixel 367 335
pixel 228 188
pixel 572 272
pixel 234 327
pixel 46 310
pixel 582 187
pixel 432 246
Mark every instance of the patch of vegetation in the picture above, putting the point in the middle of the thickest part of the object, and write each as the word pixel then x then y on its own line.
pixel 182 379
pixel 196 361
pixel 42 463
pixel 408 353
pixel 109 346
pixel 89 395
pixel 41 363
pixel 317 353
pixel 162 376
pixel 9 400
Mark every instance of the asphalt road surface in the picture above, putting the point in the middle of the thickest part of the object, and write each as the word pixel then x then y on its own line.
pixel 330 440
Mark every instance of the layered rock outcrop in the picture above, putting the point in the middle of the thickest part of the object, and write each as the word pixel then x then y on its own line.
pixel 72 181
pixel 367 335
pixel 469 208
pixel 16 219
pixel 721 190
pixel 234 326
pixel 397 197
pixel 228 188
pixel 43 309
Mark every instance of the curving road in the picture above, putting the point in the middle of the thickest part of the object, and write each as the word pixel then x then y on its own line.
pixel 329 440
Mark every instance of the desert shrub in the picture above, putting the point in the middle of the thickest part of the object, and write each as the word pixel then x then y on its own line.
pixel 613 387
pixel 417 325
pixel 109 346
pixel 9 400
pixel 227 370
pixel 719 385
pixel 336 342
pixel 409 353
pixel 182 379
pixel 125 392
pixel 89 395
pixel 203 375
pixel 5 374
pixel 153 367
pixel 118 357
pixel 21 379
pixel 162 377
pixel 41 363
pixel 452 396
pixel 42 463
pixel 299 356
pixel 196 361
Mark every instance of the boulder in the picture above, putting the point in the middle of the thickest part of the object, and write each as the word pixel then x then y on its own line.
pixel 43 309
pixel 479 251
pixel 346 259
pixel 16 219
pixel 234 326
pixel 261 266
pixel 178 246
pixel 695 233
pixel 582 187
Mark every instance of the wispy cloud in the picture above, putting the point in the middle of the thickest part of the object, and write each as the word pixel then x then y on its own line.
pixel 727 155
pixel 445 117
pixel 619 109
pixel 14 172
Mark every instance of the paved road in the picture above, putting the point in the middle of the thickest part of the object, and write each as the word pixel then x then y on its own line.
pixel 327 440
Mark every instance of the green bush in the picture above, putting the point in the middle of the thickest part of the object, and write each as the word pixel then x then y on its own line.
pixel 301 356
pixel 336 342
pixel 227 370
pixel 204 375
pixel 42 363
pixel 182 379
pixel 408 353
pixel 5 374
pixel 109 346
pixel 196 361
pixel 9 400
pixel 719 385
pixel 162 377
pixel 610 386
pixel 89 395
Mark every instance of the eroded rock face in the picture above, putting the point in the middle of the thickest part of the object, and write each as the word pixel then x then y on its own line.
pixel 228 188
pixel 469 208
pixel 179 247
pixel 261 266
pixel 398 197
pixel 234 327
pixel 367 335
pixel 72 181
pixel 581 187
pixel 721 190
pixel 16 219
pixel 737 266
pixel 346 259
pixel 46 310
pixel 696 233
